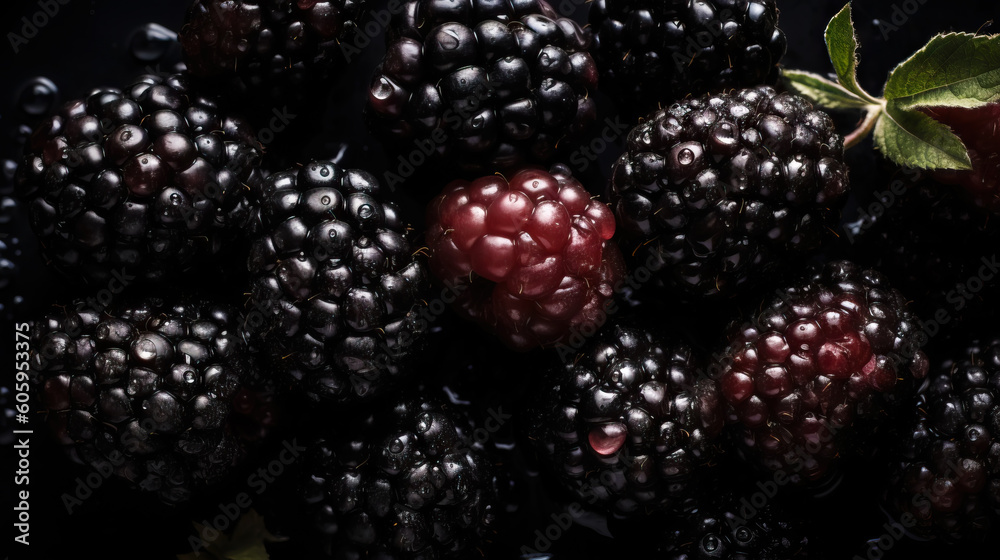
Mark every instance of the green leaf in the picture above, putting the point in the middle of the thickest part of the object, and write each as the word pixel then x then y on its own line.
pixel 821 91
pixel 913 139
pixel 843 47
pixel 952 70
pixel 246 542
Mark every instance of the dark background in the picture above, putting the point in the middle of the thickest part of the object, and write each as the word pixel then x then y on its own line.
pixel 90 43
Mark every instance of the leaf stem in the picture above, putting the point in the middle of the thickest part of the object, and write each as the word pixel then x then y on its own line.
pixel 866 127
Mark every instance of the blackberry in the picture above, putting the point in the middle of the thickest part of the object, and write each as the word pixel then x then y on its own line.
pixel 282 50
pixel 338 290
pixel 979 130
pixel 928 240
pixel 403 480
pixel 629 422
pixel 818 368
pixel 148 181
pixel 145 390
pixel 654 52
pixel 529 258
pixel 722 530
pixel 482 84
pixel 948 474
pixel 717 192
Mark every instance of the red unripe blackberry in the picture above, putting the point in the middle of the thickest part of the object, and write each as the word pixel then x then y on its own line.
pixel 827 356
pixel 718 192
pixel 979 130
pixel 529 258
pixel 948 473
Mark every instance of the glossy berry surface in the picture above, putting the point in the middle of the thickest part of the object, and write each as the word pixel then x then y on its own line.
pixel 949 476
pixel 979 130
pixel 654 52
pixel 630 423
pixel 337 288
pixel 150 180
pixel 718 191
pixel 830 353
pixel 721 529
pixel 279 49
pixel 146 391
pixel 405 480
pixel 529 258
pixel 485 85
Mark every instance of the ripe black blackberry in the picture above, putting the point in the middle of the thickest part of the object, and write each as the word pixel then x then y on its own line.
pixel 715 193
pixel 948 471
pixel 654 52
pixel 146 390
pixel 404 480
pixel 286 51
pixel 627 423
pixel 148 181
pixel 337 293
pixel 928 240
pixel 485 85
pixel 722 529
pixel 814 375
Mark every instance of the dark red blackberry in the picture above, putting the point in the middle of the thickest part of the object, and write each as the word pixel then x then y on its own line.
pixel 148 181
pixel 948 474
pixel 337 288
pixel 529 258
pixel 404 480
pixel 483 84
pixel 721 529
pixel 717 192
pixel 979 130
pixel 818 368
pixel 146 391
pixel 654 52
pixel 629 422
pixel 282 50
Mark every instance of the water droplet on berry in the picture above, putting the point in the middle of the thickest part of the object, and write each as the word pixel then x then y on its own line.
pixel 396 446
pixel 424 422
pixel 325 201
pixel 607 439
pixel 711 543
pixel 151 42
pixel 243 45
pixel 38 96
pixel 383 89
pixel 366 211
pixel 324 172
pixel 685 157
pixel 189 377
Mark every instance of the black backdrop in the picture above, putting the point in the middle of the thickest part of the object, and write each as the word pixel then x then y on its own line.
pixel 90 42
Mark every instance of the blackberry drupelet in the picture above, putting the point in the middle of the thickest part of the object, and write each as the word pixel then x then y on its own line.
pixel 629 423
pixel 148 181
pixel 818 368
pixel 715 193
pixel 282 50
pixel 948 471
pixel 484 85
pixel 403 480
pixel 718 530
pixel 530 259
pixel 146 390
pixel 338 291
pixel 654 52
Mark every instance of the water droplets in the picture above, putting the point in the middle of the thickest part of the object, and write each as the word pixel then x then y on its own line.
pixel 325 172
pixel 424 422
pixel 396 446
pixel 151 42
pixel 325 200
pixel 366 211
pixel 685 156
pixel 38 96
